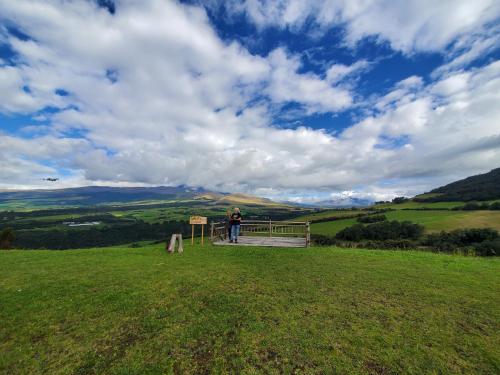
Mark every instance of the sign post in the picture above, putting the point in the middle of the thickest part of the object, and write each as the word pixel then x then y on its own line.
pixel 197 220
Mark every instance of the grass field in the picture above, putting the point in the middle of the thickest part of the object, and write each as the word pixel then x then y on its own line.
pixel 435 205
pixel 333 213
pixel 413 205
pixel 433 221
pixel 248 310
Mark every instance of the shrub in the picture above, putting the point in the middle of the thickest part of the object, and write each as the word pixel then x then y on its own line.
pixel 472 206
pixel 488 248
pixel 461 238
pixel 495 206
pixel 371 219
pixel 399 200
pixel 321 240
pixel 7 237
pixel 391 244
pixel 381 231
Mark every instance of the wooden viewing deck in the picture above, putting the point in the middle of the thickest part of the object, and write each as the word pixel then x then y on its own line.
pixel 264 233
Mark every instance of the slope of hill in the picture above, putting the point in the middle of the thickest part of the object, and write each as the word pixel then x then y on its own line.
pixel 239 198
pixel 236 198
pixel 481 187
pixel 98 195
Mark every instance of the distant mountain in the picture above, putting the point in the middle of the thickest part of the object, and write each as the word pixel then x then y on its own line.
pixel 481 187
pixel 97 195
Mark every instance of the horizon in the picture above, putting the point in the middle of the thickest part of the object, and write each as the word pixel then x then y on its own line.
pixel 289 100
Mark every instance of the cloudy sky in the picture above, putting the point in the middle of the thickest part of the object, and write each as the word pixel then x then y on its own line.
pixel 291 99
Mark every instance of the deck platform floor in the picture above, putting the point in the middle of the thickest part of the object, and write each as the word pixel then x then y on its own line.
pixel 266 241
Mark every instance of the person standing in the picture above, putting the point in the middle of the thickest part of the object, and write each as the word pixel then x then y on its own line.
pixel 235 225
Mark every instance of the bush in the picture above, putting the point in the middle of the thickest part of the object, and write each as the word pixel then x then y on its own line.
pixel 391 244
pixel 488 248
pixel 461 238
pixel 495 206
pixel 371 219
pixel 381 231
pixel 399 200
pixel 7 237
pixel 321 240
pixel 473 206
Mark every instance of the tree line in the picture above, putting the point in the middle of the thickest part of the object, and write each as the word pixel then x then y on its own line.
pixel 99 236
pixel 407 235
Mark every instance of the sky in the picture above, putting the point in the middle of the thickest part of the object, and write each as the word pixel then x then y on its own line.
pixel 290 99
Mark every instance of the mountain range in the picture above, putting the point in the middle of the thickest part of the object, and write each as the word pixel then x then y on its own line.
pixel 480 187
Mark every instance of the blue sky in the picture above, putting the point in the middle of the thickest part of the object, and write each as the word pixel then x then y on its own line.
pixel 301 100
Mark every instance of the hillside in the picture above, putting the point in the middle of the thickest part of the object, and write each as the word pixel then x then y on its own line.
pixel 481 187
pixel 99 195
pixel 233 310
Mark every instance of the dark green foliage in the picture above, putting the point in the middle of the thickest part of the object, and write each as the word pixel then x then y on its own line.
pixel 399 200
pixel 406 235
pixel 482 187
pixel 322 240
pixel 495 206
pixel 461 238
pixel 371 219
pixel 7 237
pixel 403 244
pixel 98 236
pixel 386 230
pixel 473 206
pixel 488 248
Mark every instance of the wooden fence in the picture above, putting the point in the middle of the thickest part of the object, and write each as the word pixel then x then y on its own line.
pixel 269 228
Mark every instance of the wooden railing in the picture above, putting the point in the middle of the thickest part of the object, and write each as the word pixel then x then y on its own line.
pixel 219 230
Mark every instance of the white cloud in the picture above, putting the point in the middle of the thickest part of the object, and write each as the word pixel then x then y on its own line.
pixel 338 72
pixel 416 25
pixel 160 102
pixel 318 95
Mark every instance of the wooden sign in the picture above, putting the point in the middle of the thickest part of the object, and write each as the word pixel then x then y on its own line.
pixel 197 220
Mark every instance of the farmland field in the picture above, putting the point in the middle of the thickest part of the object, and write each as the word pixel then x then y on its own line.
pixel 247 310
pixel 433 221
pixel 331 213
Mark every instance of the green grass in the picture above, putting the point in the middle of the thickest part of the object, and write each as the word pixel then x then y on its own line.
pixel 330 228
pixel 248 310
pixel 412 205
pixel 449 220
pixel 433 221
pixel 334 213
pixel 436 205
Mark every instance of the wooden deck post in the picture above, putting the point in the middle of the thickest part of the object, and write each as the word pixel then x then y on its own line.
pixel 212 229
pixel 270 228
pixel 308 234
pixel 173 240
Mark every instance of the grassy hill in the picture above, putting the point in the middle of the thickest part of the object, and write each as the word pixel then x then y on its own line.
pixel 104 195
pixel 247 310
pixel 481 187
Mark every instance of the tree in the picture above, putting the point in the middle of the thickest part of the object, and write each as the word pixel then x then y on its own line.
pixel 399 200
pixel 7 237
